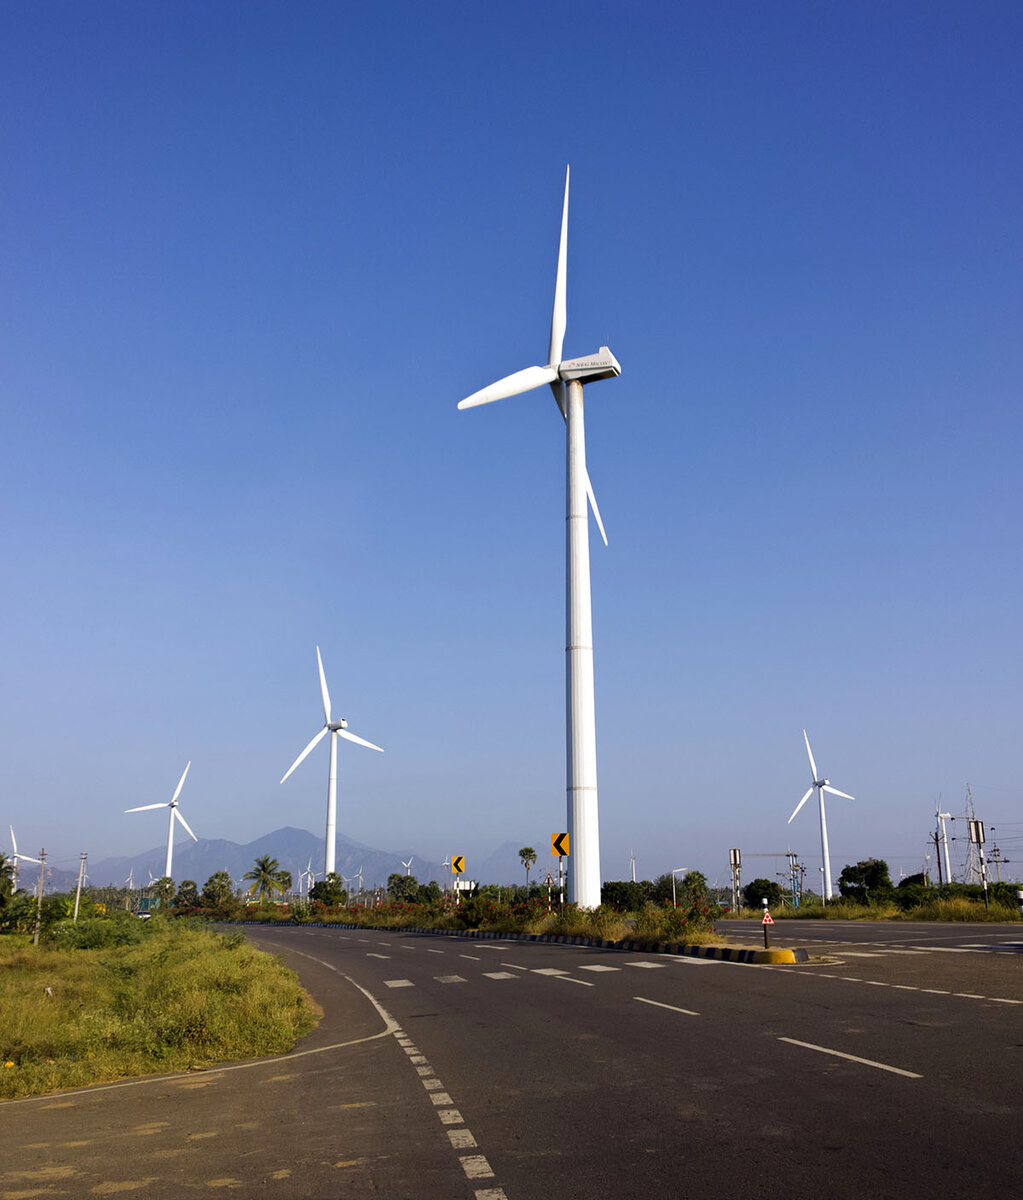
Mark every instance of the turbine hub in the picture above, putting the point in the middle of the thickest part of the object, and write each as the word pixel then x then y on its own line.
pixel 334 726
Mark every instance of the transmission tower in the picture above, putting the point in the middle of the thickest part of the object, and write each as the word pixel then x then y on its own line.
pixel 973 873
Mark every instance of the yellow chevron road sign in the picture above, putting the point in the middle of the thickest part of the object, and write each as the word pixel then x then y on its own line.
pixel 559 845
pixel 457 864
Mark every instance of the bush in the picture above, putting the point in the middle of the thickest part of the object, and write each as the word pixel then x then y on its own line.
pixel 93 933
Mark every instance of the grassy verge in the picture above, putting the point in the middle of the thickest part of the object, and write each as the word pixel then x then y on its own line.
pixel 180 997
pixel 654 923
pixel 942 909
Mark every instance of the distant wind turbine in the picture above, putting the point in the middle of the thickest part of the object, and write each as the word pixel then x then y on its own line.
pixel 822 785
pixel 407 865
pixel 175 814
pixel 566 378
pixel 336 729
pixel 19 858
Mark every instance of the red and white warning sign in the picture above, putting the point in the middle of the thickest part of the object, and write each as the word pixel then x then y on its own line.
pixel 768 919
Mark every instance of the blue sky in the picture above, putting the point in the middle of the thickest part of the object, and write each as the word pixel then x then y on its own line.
pixel 253 255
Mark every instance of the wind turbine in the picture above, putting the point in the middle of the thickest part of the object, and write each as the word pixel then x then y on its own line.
pixel 17 858
pixel 822 786
pixel 407 865
pixel 566 378
pixel 175 814
pixel 336 729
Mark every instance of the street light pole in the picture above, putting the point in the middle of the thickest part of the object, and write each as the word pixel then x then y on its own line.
pixel 675 871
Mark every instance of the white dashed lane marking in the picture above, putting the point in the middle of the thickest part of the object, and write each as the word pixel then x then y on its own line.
pixel 449 979
pixel 394 983
pixel 867 1062
pixel 657 1004
pixel 644 964
pixel 500 975
pixel 598 967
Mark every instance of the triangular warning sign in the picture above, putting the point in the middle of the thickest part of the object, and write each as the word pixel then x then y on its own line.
pixel 768 919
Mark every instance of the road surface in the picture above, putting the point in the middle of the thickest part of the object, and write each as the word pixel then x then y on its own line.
pixel 448 1067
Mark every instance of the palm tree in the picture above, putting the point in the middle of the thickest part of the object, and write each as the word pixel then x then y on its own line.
pixel 268 880
pixel 528 856
pixel 6 875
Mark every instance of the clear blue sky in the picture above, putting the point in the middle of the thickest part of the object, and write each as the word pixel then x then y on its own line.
pixel 254 253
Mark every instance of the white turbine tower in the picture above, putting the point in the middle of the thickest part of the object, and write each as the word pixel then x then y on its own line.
pixel 336 729
pixel 407 865
pixel 18 858
pixel 566 378
pixel 822 786
pixel 942 818
pixel 175 814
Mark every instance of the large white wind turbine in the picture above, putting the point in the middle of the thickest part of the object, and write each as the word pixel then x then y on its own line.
pixel 336 729
pixel 175 814
pixel 822 785
pixel 566 378
pixel 19 858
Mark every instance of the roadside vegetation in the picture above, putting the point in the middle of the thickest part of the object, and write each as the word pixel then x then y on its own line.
pixel 112 996
pixel 652 912
pixel 866 893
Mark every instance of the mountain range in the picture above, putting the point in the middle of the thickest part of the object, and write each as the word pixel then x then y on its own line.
pixel 293 849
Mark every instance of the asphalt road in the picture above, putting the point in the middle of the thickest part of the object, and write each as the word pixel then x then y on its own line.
pixel 448 1067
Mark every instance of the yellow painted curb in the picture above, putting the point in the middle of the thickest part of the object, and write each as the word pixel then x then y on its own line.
pixel 774 956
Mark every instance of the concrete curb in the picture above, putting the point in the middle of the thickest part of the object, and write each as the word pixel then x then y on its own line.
pixel 720 953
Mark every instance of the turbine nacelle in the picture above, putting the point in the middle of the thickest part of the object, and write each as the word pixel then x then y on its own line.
pixel 602 365
pixel 334 726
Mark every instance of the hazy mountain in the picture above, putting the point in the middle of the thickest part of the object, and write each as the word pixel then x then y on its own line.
pixel 293 849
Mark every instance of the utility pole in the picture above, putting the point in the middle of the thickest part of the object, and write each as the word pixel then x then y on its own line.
pixel 937 855
pixel 996 858
pixel 39 897
pixel 78 893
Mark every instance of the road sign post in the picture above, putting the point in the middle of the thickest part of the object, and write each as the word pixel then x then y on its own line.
pixel 560 851
pixel 457 867
pixel 767 923
pixel 977 838
pixel 735 861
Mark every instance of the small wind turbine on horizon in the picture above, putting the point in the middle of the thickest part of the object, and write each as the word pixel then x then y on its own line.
pixel 175 814
pixel 407 865
pixel 17 858
pixel 822 785
pixel 336 729
pixel 566 378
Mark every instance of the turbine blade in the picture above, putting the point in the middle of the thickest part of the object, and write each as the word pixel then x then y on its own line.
pixel 315 740
pixel 14 840
pixel 809 755
pixel 351 737
pixel 836 792
pixel 593 505
pixel 177 813
pixel 558 388
pixel 323 688
pixel 28 858
pixel 146 807
pixel 559 318
pixel 181 782
pixel 511 385
pixel 809 793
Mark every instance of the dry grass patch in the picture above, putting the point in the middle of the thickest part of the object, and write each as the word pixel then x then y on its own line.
pixel 180 998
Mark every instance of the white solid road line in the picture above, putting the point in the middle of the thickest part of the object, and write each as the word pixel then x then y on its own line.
pixel 867 1062
pixel 657 1004
pixel 569 979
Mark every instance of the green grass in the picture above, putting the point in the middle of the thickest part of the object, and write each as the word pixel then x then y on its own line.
pixel 954 908
pixel 181 997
